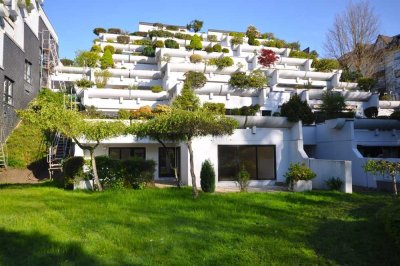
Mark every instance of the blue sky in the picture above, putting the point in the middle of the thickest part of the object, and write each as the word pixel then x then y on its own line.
pixel 306 21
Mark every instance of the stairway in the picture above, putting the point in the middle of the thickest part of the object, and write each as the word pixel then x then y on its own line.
pixel 3 160
pixel 58 152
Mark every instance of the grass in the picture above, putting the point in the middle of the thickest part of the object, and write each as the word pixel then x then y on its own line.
pixel 42 225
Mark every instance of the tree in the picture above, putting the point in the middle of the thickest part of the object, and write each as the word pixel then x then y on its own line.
pixel 267 58
pixel 106 60
pixel 187 100
pixel 333 104
pixel 184 126
pixel 51 116
pixel 207 177
pixel 350 37
pixel 384 168
pixel 195 43
pixel 195 25
pixel 86 59
pixel 296 109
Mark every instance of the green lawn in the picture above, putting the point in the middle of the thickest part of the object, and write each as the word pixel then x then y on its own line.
pixel 48 226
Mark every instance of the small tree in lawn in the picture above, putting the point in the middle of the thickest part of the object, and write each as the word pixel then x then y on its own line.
pixel 384 168
pixel 52 116
pixel 207 177
pixel 267 58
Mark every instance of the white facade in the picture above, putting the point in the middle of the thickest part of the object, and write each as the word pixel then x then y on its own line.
pixel 286 77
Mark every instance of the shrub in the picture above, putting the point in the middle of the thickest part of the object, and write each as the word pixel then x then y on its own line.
pixel 256 79
pixel 371 112
pixel 195 43
pixel 222 62
pixel 143 112
pixel 395 115
pixel 109 48
pixel 160 33
pixel 158 25
pixel 142 42
pixel 385 97
pixel 267 58
pixel 139 33
pixel 366 84
pixel 334 183
pixel 106 60
pixel 114 31
pixel 118 51
pixel 243 179
pixel 237 34
pixel 217 48
pixel 101 78
pixel 325 64
pixel 212 38
pixel 350 76
pixel 217 108
pixel 225 50
pixel 172 27
pixel 110 40
pixel 67 62
pixel 293 45
pixel 235 40
pixel 252 32
pixel 85 58
pixel 244 110
pixel 333 104
pixel 124 114
pixel 84 83
pixel 96 49
pixel 296 109
pixel 183 36
pixel 97 31
pixel 195 79
pixel 196 58
pixel 156 89
pixel 73 171
pixel 302 54
pixel 195 25
pixel 158 44
pixel 207 177
pixel 149 51
pixel 169 43
pixel 209 49
pixel 298 171
pixel 253 42
pixel 124 39
pixel 390 217
pixel 239 80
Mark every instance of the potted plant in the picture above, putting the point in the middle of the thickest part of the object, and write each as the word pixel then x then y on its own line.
pixel 299 176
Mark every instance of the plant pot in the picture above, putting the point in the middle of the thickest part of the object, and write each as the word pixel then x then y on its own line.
pixel 301 186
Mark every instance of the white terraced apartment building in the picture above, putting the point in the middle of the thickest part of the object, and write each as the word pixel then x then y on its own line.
pixel 265 144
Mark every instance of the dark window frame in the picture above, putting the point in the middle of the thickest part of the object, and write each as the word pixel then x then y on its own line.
pixel 257 170
pixel 143 149
pixel 8 94
pixel 28 72
pixel 177 154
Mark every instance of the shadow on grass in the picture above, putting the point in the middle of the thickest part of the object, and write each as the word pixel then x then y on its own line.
pixel 51 184
pixel 19 248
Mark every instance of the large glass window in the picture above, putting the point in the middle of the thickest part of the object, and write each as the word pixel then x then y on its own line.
pixel 28 71
pixel 127 153
pixel 168 159
pixel 259 161
pixel 8 91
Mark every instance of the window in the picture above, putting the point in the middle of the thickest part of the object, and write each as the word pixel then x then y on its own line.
pixel 167 160
pixel 266 112
pixel 126 153
pixel 28 71
pixel 259 161
pixel 8 91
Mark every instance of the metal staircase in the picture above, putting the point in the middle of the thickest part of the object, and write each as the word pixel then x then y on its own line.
pixel 50 58
pixel 58 152
pixel 3 149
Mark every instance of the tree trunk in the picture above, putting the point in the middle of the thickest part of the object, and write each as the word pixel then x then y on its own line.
pixel 394 185
pixel 194 187
pixel 94 169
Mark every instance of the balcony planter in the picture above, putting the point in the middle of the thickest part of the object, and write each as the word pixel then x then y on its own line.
pixel 298 177
pixel 301 186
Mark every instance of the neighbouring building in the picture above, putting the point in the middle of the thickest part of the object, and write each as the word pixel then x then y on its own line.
pixel 28 52
pixel 264 143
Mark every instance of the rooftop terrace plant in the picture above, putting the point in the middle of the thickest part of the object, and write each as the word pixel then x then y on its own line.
pixel 195 79
pixel 221 62
pixel 195 25
pixel 97 31
pixel 106 61
pixel 160 33
pixel 114 31
pixel 169 43
pixel 195 43
pixel 86 59
pixel 267 58
pixel 256 79
pixel 124 39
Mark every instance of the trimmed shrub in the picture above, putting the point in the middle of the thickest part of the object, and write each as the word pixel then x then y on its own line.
pixel 139 33
pixel 84 83
pixel 217 48
pixel 243 180
pixel 96 49
pixel 109 48
pixel 238 80
pixel 85 58
pixel 101 78
pixel 169 43
pixel 97 31
pixel 124 39
pixel 253 42
pixel 158 44
pixel 325 64
pixel 295 110
pixel 195 43
pixel 256 79
pixel 123 114
pixel 149 51
pixel 222 62
pixel 209 49
pixel 158 25
pixel 250 110
pixel 371 112
pixel 195 79
pixel 156 89
pixel 118 51
pixel 236 40
pixel 333 104
pixel 73 171
pixel 160 33
pixel 144 112
pixel 114 31
pixel 302 54
pixel 146 42
pixel 106 60
pixel 334 183
pixel 207 177
pixel 183 36
pixel 217 108
pixel 252 32
pixel 225 50
pixel 67 62
pixel 196 58
pixel 212 38
pixel 172 27
pixel 298 171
